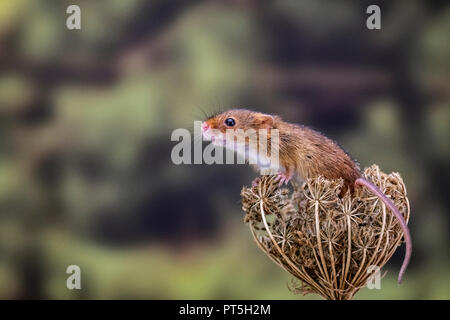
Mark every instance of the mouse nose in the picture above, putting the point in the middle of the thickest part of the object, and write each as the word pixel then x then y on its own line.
pixel 205 126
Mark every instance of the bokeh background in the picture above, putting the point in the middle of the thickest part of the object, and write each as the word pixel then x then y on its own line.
pixel 86 117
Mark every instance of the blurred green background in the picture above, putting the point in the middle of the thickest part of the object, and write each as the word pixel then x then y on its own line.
pixel 86 116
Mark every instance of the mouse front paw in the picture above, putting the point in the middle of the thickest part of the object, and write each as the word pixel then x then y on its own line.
pixel 256 181
pixel 284 178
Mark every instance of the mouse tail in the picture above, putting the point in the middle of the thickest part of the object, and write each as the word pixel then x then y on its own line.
pixel 375 190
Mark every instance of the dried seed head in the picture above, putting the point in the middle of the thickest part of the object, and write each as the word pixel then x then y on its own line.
pixel 325 241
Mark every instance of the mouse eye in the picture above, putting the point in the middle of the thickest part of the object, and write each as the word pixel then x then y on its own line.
pixel 230 122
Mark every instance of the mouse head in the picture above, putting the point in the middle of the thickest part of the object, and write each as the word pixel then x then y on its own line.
pixel 216 126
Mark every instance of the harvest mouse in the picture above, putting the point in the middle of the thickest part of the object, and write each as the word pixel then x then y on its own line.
pixel 304 153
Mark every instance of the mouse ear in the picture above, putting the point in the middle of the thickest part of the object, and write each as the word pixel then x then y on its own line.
pixel 265 121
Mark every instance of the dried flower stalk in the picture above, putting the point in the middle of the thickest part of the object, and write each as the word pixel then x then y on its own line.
pixel 325 241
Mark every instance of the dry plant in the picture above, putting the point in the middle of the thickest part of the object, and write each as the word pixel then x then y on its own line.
pixel 325 241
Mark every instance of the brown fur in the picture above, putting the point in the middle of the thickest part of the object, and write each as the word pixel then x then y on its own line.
pixel 302 150
pixel 310 154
